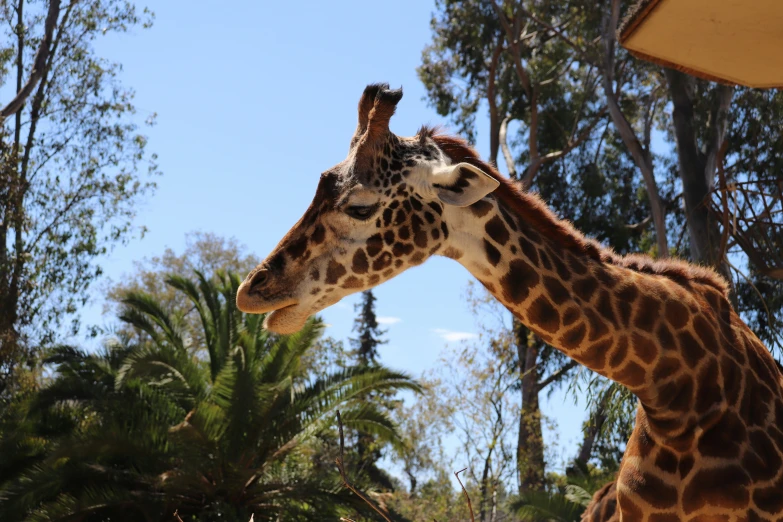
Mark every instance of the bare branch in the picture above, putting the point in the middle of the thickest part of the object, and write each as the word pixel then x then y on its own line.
pixel 770 317
pixel 514 41
pixel 640 225
pixel 588 87
pixel 39 64
pixel 717 130
pixel 341 468
pixel 465 491
pixel 601 141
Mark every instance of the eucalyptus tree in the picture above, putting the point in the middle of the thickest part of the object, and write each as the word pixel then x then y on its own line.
pixel 73 163
pixel 627 150
pixel 490 54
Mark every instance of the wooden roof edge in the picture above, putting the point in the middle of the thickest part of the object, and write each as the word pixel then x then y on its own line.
pixel 681 68
pixel 635 15
pixel 697 73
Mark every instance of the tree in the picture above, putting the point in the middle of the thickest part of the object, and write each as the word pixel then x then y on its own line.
pixel 485 414
pixel 228 431
pixel 535 368
pixel 71 163
pixel 204 252
pixel 468 397
pixel 423 424
pixel 612 415
pixel 365 346
pixel 365 352
pixel 645 98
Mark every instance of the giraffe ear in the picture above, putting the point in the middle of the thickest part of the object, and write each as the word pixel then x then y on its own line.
pixel 462 184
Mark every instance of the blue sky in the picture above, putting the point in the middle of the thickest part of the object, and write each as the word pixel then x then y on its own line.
pixel 253 103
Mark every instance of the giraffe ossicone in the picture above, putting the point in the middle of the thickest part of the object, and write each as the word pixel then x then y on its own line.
pixel 708 439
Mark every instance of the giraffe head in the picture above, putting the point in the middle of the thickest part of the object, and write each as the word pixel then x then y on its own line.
pixel 375 214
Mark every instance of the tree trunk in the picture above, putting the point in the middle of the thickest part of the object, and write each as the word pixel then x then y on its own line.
pixel 9 351
pixel 697 166
pixel 597 420
pixel 530 445
pixel 485 487
pixel 494 117
pixel 494 512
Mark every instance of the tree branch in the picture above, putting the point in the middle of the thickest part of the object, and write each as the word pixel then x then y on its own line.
pixel 531 90
pixel 598 418
pixel 559 374
pixel 39 64
pixel 341 468
pixel 465 492
pixel 510 164
pixel 640 225
pixel 719 116
pixel 640 156
pixel 513 41
pixel 23 182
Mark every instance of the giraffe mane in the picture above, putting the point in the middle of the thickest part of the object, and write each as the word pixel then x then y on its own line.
pixel 535 211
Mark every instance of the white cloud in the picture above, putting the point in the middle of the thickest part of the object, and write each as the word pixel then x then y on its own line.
pixel 452 336
pixel 388 320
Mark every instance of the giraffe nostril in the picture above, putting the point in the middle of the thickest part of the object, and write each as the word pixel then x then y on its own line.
pixel 258 280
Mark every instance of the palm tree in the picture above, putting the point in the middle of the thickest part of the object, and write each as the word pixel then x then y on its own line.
pixel 565 503
pixel 106 443
pixel 219 431
pixel 548 506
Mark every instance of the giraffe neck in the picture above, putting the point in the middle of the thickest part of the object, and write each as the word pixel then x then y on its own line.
pixel 616 316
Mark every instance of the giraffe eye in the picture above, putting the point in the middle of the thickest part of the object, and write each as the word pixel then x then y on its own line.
pixel 361 212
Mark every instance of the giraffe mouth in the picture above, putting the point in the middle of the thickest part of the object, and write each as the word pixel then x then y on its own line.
pixel 286 320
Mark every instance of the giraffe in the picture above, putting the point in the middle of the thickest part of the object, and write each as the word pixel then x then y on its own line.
pixel 708 438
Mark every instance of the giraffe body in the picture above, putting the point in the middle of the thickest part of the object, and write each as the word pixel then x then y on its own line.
pixel 708 439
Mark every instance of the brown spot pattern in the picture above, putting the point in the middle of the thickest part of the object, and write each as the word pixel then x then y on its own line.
pixel 334 271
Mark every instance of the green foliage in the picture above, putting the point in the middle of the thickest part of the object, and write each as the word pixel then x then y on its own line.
pixel 537 506
pixel 222 430
pixel 563 503
pixel 436 499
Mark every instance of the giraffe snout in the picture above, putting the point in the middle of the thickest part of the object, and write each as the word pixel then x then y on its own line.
pixel 258 281
pixel 261 292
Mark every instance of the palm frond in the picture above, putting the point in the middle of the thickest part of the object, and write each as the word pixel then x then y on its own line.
pixel 578 495
pixel 144 312
pixel 536 506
